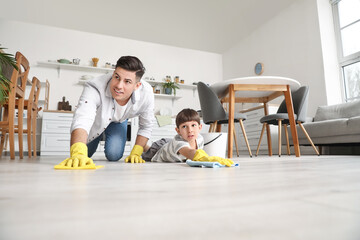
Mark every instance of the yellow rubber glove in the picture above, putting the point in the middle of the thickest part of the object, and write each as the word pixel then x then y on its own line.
pixel 135 155
pixel 78 158
pixel 201 156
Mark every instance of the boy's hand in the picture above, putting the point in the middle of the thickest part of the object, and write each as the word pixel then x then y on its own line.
pixel 135 155
pixel 201 156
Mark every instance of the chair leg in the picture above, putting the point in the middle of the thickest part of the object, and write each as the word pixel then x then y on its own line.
pixel 245 136
pixel 236 143
pixel 20 127
pixel 28 130
pixel 308 137
pixel 33 132
pixel 279 135
pixel 218 128
pixel 261 135
pixel 11 118
pixel 287 139
pixel 2 142
pixel 211 127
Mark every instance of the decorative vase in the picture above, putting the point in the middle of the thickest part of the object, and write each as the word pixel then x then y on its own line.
pixel 168 91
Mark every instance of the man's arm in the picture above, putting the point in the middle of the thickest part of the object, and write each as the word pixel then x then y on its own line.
pixel 141 141
pixel 79 135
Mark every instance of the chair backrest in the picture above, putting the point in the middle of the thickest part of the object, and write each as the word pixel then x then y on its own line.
pixel 35 91
pixel 300 99
pixel 19 77
pixel 211 107
pixel 47 94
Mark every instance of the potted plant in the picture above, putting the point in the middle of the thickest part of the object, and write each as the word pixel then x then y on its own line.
pixel 6 60
pixel 169 86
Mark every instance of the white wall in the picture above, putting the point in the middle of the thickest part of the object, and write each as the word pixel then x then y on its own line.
pixel 289 45
pixel 43 43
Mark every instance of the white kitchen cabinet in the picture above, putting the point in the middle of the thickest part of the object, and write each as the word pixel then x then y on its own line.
pixel 55 134
pixel 253 130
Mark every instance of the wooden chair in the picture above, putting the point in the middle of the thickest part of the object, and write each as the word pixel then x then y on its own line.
pixel 281 118
pixel 214 113
pixel 31 105
pixel 17 92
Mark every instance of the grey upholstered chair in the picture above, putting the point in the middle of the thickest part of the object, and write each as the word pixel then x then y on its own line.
pixel 300 102
pixel 214 113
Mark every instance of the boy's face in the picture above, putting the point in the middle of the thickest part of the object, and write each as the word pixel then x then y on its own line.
pixel 123 83
pixel 189 131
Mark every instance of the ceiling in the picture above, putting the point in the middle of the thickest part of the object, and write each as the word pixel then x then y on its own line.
pixel 206 25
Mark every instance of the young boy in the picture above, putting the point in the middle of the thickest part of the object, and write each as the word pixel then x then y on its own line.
pixel 187 144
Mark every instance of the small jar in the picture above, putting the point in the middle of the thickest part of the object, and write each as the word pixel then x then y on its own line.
pixel 176 79
pixel 168 79
pixel 157 89
pixel 182 81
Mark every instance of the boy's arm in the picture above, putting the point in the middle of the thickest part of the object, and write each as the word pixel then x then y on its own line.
pixel 189 153
pixel 201 156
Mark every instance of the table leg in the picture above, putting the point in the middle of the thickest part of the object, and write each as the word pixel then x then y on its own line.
pixel 268 134
pixel 290 110
pixel 231 120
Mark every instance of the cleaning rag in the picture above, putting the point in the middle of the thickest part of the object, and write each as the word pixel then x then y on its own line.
pixel 86 167
pixel 206 164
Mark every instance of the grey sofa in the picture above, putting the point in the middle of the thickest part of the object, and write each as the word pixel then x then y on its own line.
pixel 334 125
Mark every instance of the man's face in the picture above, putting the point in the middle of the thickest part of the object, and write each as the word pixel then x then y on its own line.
pixel 189 131
pixel 123 83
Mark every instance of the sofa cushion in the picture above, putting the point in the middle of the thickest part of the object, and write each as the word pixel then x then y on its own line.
pixel 344 110
pixel 333 127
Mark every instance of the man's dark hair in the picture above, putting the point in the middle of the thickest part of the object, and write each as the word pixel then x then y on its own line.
pixel 187 115
pixel 133 64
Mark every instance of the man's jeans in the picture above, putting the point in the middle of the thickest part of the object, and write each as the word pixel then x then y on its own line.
pixel 115 139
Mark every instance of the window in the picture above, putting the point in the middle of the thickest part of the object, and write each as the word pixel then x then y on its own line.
pixel 347 27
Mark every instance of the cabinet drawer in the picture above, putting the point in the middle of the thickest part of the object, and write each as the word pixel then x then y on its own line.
pixel 58 116
pixel 58 142
pixel 55 126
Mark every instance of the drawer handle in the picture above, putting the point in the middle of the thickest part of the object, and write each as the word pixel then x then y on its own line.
pixel 63 127
pixel 63 140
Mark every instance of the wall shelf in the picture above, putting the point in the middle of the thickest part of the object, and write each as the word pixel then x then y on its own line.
pixel 181 85
pixel 166 96
pixel 60 66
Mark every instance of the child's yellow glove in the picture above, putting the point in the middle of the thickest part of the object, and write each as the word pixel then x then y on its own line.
pixel 78 158
pixel 201 156
pixel 135 155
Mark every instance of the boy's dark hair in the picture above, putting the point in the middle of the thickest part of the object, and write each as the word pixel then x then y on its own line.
pixel 133 64
pixel 187 115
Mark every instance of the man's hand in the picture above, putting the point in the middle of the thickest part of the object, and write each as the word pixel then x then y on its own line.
pixel 135 155
pixel 201 156
pixel 78 158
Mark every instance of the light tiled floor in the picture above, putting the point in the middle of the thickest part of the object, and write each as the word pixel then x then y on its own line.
pixel 265 198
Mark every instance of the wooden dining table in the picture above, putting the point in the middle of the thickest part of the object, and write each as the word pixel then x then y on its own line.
pixel 258 89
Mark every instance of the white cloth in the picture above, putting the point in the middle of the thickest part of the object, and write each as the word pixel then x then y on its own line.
pixel 96 108
pixel 170 151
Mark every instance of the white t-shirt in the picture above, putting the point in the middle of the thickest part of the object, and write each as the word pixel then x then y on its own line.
pixel 119 112
pixel 170 151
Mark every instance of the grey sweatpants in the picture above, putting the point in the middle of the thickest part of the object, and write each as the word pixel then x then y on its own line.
pixel 155 146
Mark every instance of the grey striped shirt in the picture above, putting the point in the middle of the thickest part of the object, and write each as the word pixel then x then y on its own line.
pixel 170 151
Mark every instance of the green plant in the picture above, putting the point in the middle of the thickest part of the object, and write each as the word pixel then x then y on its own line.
pixel 171 85
pixel 6 60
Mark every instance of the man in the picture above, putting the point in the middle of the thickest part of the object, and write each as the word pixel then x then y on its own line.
pixel 107 102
